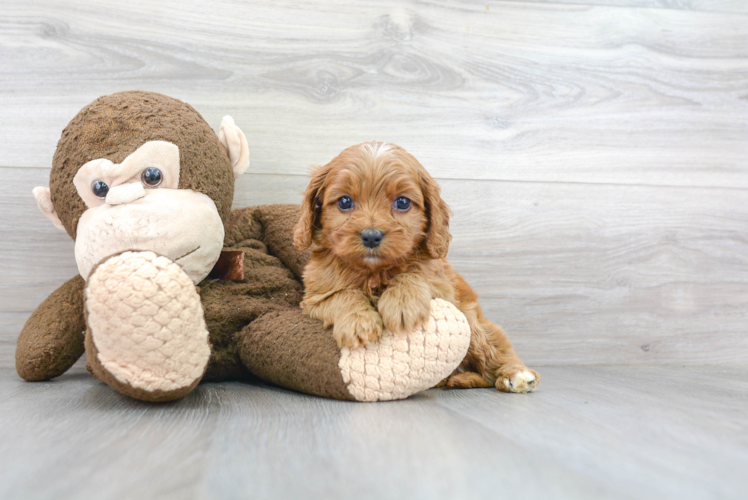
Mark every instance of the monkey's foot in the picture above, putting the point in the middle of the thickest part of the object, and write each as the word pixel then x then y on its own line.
pixel 399 365
pixel 146 335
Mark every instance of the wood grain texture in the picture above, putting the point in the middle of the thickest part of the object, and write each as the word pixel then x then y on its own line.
pixel 588 433
pixel 735 6
pixel 518 91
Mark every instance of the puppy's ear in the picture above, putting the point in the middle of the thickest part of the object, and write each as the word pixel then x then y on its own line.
pixel 310 208
pixel 437 211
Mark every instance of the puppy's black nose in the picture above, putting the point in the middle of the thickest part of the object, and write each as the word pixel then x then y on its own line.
pixel 371 237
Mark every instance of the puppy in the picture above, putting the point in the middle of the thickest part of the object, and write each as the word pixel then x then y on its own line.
pixel 379 233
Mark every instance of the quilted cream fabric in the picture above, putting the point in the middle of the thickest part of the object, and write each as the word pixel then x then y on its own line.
pixel 400 365
pixel 147 322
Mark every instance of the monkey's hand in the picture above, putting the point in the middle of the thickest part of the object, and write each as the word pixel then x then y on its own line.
pixel 52 339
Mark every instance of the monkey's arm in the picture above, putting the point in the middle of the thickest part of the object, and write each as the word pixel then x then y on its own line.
pixel 273 225
pixel 52 339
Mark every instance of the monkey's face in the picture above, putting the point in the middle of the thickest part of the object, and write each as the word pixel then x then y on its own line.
pixel 161 180
pixel 135 205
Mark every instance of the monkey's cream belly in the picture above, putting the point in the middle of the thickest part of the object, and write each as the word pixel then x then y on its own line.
pixel 180 224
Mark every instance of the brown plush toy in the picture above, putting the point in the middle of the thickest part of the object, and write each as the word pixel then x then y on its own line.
pixel 144 187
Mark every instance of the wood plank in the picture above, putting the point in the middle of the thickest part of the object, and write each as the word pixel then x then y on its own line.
pixel 588 433
pixel 610 274
pixel 519 91
pixel 576 274
pixel 734 6
pixel 634 428
pixel 11 324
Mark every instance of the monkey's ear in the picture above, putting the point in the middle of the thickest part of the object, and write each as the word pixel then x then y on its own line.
pixel 235 142
pixel 44 201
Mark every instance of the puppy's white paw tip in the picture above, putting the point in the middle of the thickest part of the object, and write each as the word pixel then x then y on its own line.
pixel 522 381
pixel 524 376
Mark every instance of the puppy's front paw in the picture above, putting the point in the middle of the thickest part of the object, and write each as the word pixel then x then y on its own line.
pixel 517 379
pixel 404 308
pixel 357 328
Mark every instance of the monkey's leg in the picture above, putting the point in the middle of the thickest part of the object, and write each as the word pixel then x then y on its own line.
pixel 146 335
pixel 52 339
pixel 291 349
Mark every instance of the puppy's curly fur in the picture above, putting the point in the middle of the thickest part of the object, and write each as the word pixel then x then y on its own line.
pixel 361 288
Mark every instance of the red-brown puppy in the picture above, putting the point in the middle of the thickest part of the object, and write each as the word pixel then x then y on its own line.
pixel 379 233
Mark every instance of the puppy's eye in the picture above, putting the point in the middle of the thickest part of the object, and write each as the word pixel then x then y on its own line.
pixel 345 203
pixel 100 189
pixel 152 177
pixel 402 203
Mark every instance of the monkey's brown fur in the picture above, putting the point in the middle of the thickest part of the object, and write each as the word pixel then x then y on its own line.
pixel 362 290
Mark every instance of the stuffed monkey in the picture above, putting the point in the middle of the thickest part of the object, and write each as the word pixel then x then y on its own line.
pixel 144 186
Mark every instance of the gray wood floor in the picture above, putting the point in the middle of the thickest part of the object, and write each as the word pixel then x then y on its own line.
pixel 588 433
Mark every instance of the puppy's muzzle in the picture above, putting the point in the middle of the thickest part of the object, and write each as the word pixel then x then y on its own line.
pixel 371 237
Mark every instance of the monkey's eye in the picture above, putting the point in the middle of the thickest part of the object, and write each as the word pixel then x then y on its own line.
pixel 345 203
pixel 402 203
pixel 152 177
pixel 99 189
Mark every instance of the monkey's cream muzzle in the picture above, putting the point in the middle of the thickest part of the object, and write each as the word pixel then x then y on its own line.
pixel 180 224
pixel 177 223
